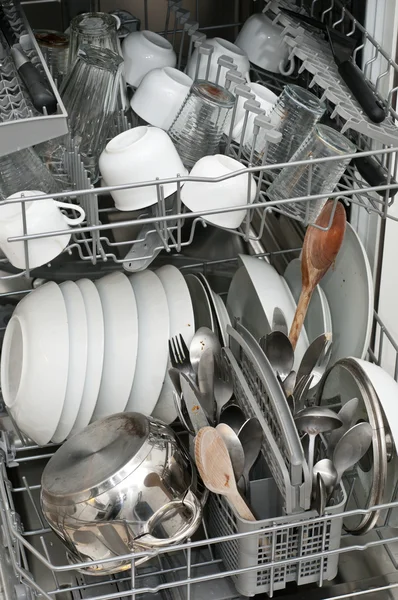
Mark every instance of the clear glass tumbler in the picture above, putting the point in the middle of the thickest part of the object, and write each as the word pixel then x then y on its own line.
pixel 198 127
pixel 23 170
pixel 55 49
pixel 294 116
pixel 311 179
pixel 94 29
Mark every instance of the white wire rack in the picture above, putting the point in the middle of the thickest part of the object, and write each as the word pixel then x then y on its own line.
pixel 36 558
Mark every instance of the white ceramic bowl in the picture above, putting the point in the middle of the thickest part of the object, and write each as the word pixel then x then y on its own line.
pixel 95 353
pixel 221 48
pixel 266 99
pixel 262 41
pixel 34 362
pixel 138 155
pixel 160 95
pixel 121 343
pixel 181 321
pixel 153 335
pixel 77 323
pixel 144 51
pixel 199 196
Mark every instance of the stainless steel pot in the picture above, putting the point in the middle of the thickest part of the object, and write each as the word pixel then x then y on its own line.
pixel 124 484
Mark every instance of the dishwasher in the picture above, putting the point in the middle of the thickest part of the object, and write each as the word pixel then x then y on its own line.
pixel 291 552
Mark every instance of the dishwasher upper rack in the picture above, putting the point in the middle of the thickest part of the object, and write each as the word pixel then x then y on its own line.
pixel 28 542
pixel 16 132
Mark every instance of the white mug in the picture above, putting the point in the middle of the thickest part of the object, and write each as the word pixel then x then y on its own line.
pixel 42 216
pixel 144 51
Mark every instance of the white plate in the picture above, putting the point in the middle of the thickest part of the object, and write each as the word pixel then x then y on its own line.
pixel 318 319
pixel 153 335
pixel 349 290
pixel 256 289
pixel 34 362
pixel 222 317
pixel 181 320
pixel 95 353
pixel 77 323
pixel 121 343
pixel 201 303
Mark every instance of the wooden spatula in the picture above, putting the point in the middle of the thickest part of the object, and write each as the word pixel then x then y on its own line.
pixel 320 249
pixel 215 468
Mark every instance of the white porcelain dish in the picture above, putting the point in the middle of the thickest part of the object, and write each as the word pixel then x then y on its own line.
pixel 34 362
pixel 160 95
pixel 95 353
pixel 140 154
pixel 181 321
pixel 221 47
pixel 349 290
pixel 77 323
pixel 144 51
pixel 200 196
pixel 318 319
pixel 121 343
pixel 263 43
pixel 256 289
pixel 222 317
pixel 153 335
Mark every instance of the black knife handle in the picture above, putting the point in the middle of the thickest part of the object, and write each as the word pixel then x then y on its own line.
pixel 41 96
pixel 373 173
pixel 357 83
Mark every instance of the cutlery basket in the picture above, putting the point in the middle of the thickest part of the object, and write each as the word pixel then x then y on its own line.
pixel 300 539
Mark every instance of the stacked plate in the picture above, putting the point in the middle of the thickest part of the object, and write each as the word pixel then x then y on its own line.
pixel 80 351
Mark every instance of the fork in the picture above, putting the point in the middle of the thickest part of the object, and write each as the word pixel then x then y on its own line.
pixel 179 356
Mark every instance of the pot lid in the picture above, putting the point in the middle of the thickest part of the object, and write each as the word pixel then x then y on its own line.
pixel 97 458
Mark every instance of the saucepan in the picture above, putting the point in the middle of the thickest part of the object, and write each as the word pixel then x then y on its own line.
pixel 124 484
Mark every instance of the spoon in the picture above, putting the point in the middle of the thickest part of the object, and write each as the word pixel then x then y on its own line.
pixel 313 421
pixel 320 249
pixel 289 383
pixel 327 470
pixel 223 387
pixel 320 495
pixel 233 416
pixel 215 468
pixel 351 448
pixel 312 355
pixel 278 349
pixel 279 321
pixel 234 447
pixel 251 439
pixel 204 338
pixel 347 414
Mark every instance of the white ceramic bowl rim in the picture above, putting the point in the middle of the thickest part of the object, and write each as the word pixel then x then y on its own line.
pixel 229 46
pixel 178 76
pixel 156 39
pixel 15 342
pixel 127 139
pixel 226 162
pixel 263 92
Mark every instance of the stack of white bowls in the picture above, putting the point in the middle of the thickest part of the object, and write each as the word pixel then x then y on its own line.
pixel 79 351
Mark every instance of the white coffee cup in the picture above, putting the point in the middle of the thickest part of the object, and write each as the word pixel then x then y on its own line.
pixel 144 51
pixel 266 99
pixel 200 196
pixel 160 95
pixel 141 154
pixel 221 48
pixel 263 43
pixel 42 216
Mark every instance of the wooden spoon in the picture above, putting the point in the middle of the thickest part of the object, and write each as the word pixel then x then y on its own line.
pixel 215 468
pixel 320 249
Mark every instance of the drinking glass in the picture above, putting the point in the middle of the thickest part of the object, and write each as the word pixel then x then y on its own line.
pixel 23 170
pixel 198 127
pixel 294 116
pixel 311 179
pixel 94 29
pixel 54 46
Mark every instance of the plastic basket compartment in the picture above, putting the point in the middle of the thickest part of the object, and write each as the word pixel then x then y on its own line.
pixel 290 541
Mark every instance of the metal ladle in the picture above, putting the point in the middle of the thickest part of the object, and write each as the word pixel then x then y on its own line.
pixel 314 421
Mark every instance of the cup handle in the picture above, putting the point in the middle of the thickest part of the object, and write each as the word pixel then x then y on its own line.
pixel 289 70
pixel 150 541
pixel 76 220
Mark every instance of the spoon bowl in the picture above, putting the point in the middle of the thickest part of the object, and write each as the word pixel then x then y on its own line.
pixel 204 338
pixel 314 421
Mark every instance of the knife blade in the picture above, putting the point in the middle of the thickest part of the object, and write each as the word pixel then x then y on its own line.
pixel 42 97
pixel 192 402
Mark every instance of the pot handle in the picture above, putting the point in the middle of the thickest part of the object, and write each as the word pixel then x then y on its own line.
pixel 150 541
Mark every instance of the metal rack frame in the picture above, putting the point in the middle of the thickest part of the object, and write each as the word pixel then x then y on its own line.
pixel 25 543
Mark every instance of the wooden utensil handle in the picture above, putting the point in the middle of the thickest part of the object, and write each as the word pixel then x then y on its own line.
pixel 299 316
pixel 240 506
